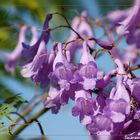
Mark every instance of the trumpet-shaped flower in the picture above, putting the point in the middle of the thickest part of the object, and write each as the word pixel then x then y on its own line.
pixel 30 51
pixel 13 57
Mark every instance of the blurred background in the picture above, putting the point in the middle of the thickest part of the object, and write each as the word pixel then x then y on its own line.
pixel 15 12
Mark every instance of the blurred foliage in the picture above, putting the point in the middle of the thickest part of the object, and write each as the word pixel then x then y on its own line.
pixel 10 105
pixel 16 101
pixel 109 5
pixel 5 111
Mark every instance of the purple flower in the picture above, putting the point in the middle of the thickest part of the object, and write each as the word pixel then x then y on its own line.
pixel 120 92
pixel 29 52
pixel 130 55
pixel 39 60
pixel 53 100
pixel 112 111
pixel 87 70
pixel 40 67
pixel 104 80
pixel 84 106
pixel 129 24
pixel 59 97
pixel 118 104
pixel 133 39
pixel 60 58
pixel 62 71
pixel 113 114
pixel 134 86
pixel 81 25
pixel 117 16
pixel 62 79
pixel 101 125
pixel 13 57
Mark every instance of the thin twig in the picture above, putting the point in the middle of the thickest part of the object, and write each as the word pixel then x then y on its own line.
pixel 135 67
pixel 51 29
pixel 26 123
pixel 30 120
pixel 14 123
pixel 30 107
pixel 40 126
pixel 57 13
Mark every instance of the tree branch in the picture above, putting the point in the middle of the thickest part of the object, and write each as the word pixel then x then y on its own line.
pixel 30 107
pixel 135 67
pixel 29 121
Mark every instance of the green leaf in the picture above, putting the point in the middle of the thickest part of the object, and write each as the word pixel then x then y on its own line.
pixel 16 101
pixel 5 110
pixel 9 118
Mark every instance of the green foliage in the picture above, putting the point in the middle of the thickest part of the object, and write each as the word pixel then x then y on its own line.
pixel 16 101
pixel 109 5
pixel 5 112
pixel 7 107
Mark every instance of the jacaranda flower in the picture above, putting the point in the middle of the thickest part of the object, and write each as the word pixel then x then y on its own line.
pixel 39 60
pixel 129 24
pixel 62 71
pixel 89 75
pixel 39 69
pixel 13 57
pixel 30 51
pixel 82 26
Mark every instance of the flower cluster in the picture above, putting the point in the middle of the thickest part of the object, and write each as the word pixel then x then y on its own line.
pixel 106 103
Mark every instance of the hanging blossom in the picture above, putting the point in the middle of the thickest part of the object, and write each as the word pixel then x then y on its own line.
pixel 130 23
pixel 111 117
pixel 118 16
pixel 61 75
pixel 74 83
pixel 39 69
pixel 101 115
pixel 39 59
pixel 130 28
pixel 115 115
pixel 30 51
pixel 127 20
pixel 127 23
pixel 82 26
pixel 13 57
pixel 89 75
pixel 62 82
pixel 62 70
pixel 127 55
